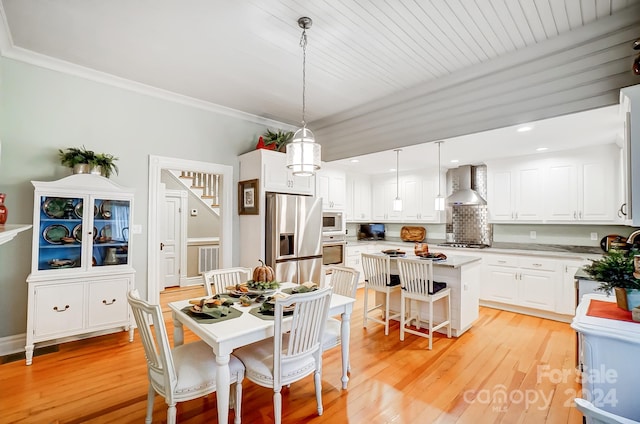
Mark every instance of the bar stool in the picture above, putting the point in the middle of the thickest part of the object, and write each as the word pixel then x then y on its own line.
pixel 377 277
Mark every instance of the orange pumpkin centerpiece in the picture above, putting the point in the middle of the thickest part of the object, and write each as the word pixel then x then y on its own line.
pixel 263 273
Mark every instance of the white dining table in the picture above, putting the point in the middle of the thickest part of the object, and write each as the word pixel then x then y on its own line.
pixel 225 336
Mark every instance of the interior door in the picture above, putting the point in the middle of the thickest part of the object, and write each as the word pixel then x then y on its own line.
pixel 170 236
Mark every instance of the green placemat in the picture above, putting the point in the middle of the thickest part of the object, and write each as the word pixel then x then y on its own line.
pixel 233 313
pixel 266 315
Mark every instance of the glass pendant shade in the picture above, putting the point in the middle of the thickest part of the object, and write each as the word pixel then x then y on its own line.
pixel 303 153
pixel 397 204
pixel 439 205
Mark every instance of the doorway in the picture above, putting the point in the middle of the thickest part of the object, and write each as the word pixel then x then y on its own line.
pixel 156 197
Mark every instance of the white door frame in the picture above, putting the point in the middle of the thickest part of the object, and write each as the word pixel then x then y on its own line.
pixel 156 165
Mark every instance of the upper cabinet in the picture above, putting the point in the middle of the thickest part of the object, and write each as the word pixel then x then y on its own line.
pixel 81 224
pixel 276 177
pixel 417 191
pixel 583 187
pixel 331 186
pixel 579 187
pixel 514 192
pixel 358 202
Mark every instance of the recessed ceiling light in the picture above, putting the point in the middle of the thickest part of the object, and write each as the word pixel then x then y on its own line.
pixel 542 149
pixel 524 128
pixel 355 160
pixel 454 161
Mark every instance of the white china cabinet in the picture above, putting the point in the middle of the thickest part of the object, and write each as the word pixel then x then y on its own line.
pixel 81 265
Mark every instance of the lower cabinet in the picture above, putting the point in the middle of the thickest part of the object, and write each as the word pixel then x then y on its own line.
pixel 70 307
pixel 353 258
pixel 521 281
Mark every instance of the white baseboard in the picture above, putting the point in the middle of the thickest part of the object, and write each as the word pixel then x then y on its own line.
pixel 12 344
pixel 527 311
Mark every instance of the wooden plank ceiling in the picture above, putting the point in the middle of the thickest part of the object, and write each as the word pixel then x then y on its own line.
pixel 380 74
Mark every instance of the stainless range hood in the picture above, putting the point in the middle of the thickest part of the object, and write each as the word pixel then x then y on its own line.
pixel 465 195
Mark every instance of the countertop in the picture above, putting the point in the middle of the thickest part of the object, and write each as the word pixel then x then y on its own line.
pixel 452 261
pixel 580 252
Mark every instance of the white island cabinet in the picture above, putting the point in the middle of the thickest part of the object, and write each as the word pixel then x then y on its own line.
pixel 81 266
pixel 462 275
pixel 608 355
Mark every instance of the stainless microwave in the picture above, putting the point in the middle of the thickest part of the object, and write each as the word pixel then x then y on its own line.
pixel 333 222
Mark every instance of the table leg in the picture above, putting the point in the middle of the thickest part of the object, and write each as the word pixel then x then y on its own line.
pixel 223 379
pixel 178 332
pixel 345 334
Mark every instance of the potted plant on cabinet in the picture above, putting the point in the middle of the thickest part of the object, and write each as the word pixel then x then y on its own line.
pixel 615 272
pixel 104 164
pixel 278 138
pixel 84 161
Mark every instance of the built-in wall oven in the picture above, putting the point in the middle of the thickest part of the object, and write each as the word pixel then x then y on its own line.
pixel 333 249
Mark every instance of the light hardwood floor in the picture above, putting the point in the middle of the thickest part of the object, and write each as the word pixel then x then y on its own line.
pixel 508 368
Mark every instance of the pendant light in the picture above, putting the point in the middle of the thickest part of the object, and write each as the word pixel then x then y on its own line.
pixel 439 204
pixel 397 202
pixel 303 153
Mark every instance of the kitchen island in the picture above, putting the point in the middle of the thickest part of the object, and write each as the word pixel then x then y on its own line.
pixel 462 275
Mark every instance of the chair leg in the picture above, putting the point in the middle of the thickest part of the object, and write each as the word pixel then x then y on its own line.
pixel 449 316
pixel 150 397
pixel 386 316
pixel 430 325
pixel 238 408
pixel 171 414
pixel 403 316
pixel 366 306
pixel 277 406
pixel 318 385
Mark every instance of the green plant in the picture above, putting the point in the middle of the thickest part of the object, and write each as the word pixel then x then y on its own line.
pixel 279 137
pixel 615 269
pixel 75 155
pixel 106 162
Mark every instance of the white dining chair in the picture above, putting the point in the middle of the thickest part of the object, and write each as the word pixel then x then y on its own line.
pixel 595 415
pixel 295 350
pixel 343 281
pixel 183 373
pixel 416 281
pixel 217 280
pixel 377 277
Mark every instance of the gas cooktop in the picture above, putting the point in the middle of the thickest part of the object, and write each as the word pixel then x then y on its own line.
pixel 464 245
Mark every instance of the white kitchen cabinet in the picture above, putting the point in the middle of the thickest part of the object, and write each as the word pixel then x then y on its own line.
pixel 358 202
pixel 383 192
pixel 526 281
pixel 353 258
pixel 515 192
pixel 331 186
pixel 583 188
pixel 81 259
pixel 276 177
pixel 566 292
pixel 418 197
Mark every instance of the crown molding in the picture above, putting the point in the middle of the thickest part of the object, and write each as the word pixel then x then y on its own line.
pixel 10 51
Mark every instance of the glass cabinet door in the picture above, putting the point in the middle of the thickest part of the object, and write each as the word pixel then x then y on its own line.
pixel 111 232
pixel 60 232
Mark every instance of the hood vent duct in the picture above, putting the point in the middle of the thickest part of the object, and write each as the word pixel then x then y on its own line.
pixel 465 195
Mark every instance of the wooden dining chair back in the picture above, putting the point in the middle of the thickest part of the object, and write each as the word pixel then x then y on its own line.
pixel 217 280
pixel 377 277
pixel 344 280
pixel 180 374
pixel 294 351
pixel 418 286
pixel 595 415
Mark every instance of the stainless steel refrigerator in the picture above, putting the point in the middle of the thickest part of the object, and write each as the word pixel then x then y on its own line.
pixel 294 237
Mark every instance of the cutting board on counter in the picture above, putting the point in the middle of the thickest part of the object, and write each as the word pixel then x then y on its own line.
pixel 408 233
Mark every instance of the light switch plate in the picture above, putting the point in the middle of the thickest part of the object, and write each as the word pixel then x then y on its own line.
pixel 594 236
pixel 532 235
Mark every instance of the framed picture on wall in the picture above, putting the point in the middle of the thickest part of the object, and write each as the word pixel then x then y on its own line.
pixel 248 200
